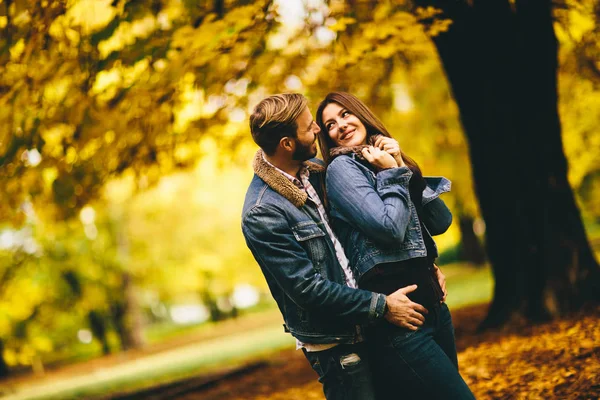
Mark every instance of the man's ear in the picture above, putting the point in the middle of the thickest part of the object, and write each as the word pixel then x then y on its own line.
pixel 287 144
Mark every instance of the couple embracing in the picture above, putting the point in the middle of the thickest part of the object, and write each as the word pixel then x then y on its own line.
pixel 345 245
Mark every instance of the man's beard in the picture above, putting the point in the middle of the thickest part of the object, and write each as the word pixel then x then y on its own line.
pixel 303 151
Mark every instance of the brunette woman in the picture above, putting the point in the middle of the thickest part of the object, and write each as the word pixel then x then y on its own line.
pixel 385 213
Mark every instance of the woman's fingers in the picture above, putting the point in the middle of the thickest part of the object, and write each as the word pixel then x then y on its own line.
pixel 391 149
pixel 367 155
pixel 385 143
pixel 441 280
pixel 379 158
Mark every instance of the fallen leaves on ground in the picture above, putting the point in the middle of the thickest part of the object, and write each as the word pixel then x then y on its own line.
pixel 557 360
pixel 554 360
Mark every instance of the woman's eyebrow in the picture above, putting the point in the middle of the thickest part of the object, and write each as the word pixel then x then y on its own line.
pixel 339 113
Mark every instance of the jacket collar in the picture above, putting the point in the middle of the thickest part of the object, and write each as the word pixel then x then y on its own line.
pixel 279 183
pixel 356 150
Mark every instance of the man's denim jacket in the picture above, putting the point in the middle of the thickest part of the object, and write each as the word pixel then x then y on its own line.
pixel 374 217
pixel 285 233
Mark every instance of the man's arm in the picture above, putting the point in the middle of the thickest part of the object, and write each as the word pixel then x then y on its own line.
pixel 272 242
pixel 281 256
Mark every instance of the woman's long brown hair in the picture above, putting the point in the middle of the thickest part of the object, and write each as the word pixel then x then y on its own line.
pixel 374 127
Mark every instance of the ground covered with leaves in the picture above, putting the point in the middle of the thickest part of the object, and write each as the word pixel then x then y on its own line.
pixel 554 360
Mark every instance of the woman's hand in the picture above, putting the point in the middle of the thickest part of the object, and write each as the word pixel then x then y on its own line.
pixel 441 280
pixel 379 158
pixel 390 146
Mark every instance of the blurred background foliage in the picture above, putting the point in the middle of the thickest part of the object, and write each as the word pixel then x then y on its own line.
pixel 125 153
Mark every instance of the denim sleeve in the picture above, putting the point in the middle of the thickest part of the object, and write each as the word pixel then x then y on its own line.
pixel 380 210
pixel 280 256
pixel 437 216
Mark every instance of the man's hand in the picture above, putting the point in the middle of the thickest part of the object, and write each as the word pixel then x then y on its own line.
pixel 402 311
pixel 441 280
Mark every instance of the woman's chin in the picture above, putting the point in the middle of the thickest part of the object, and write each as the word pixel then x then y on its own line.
pixel 352 143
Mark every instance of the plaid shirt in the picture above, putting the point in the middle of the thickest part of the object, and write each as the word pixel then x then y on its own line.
pixel 339 251
pixel 305 185
pixel 312 193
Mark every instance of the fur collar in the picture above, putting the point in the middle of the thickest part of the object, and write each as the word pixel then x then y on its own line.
pixel 279 183
pixel 357 150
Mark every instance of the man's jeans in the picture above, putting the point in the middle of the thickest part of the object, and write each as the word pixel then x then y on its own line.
pixel 419 364
pixel 344 371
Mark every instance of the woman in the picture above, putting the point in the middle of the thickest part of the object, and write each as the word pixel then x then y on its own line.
pixel 385 212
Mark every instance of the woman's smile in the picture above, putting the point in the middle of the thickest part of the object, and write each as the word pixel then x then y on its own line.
pixel 346 135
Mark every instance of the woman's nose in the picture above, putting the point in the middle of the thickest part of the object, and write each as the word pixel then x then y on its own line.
pixel 342 125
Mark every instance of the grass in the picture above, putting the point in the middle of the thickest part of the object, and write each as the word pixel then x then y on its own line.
pixel 160 332
pixel 190 360
pixel 466 285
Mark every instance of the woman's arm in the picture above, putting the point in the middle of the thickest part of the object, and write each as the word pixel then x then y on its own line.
pixel 381 211
pixel 437 216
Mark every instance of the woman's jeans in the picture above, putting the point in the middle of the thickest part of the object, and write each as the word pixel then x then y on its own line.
pixel 419 364
pixel 344 371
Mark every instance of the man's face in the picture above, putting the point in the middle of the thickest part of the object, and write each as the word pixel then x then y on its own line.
pixel 306 140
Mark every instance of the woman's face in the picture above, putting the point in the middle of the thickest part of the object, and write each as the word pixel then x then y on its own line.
pixel 343 127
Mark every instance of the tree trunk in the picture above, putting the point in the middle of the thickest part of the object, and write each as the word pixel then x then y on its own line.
pixel 219 8
pixel 127 313
pixel 470 249
pixel 501 64
pixel 127 317
pixel 4 370
pixel 98 328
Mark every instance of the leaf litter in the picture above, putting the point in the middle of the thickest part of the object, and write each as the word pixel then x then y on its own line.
pixel 553 360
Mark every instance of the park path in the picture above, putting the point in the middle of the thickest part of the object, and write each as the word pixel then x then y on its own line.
pixel 199 351
pixel 554 360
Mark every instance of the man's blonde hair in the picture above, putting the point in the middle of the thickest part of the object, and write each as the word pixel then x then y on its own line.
pixel 275 118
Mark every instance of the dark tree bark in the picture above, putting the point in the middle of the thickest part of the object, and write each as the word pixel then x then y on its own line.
pixel 4 370
pixel 219 8
pixel 470 249
pixel 98 328
pixel 501 63
pixel 127 317
pixel 125 309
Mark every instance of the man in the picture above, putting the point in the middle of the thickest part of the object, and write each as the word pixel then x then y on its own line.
pixel 287 230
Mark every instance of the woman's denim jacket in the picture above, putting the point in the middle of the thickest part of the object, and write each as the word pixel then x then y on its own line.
pixel 284 231
pixel 374 217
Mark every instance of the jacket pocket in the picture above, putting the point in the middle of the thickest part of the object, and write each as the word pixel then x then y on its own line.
pixel 312 238
pixel 307 230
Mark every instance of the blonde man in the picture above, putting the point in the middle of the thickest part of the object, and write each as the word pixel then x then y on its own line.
pixel 287 229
